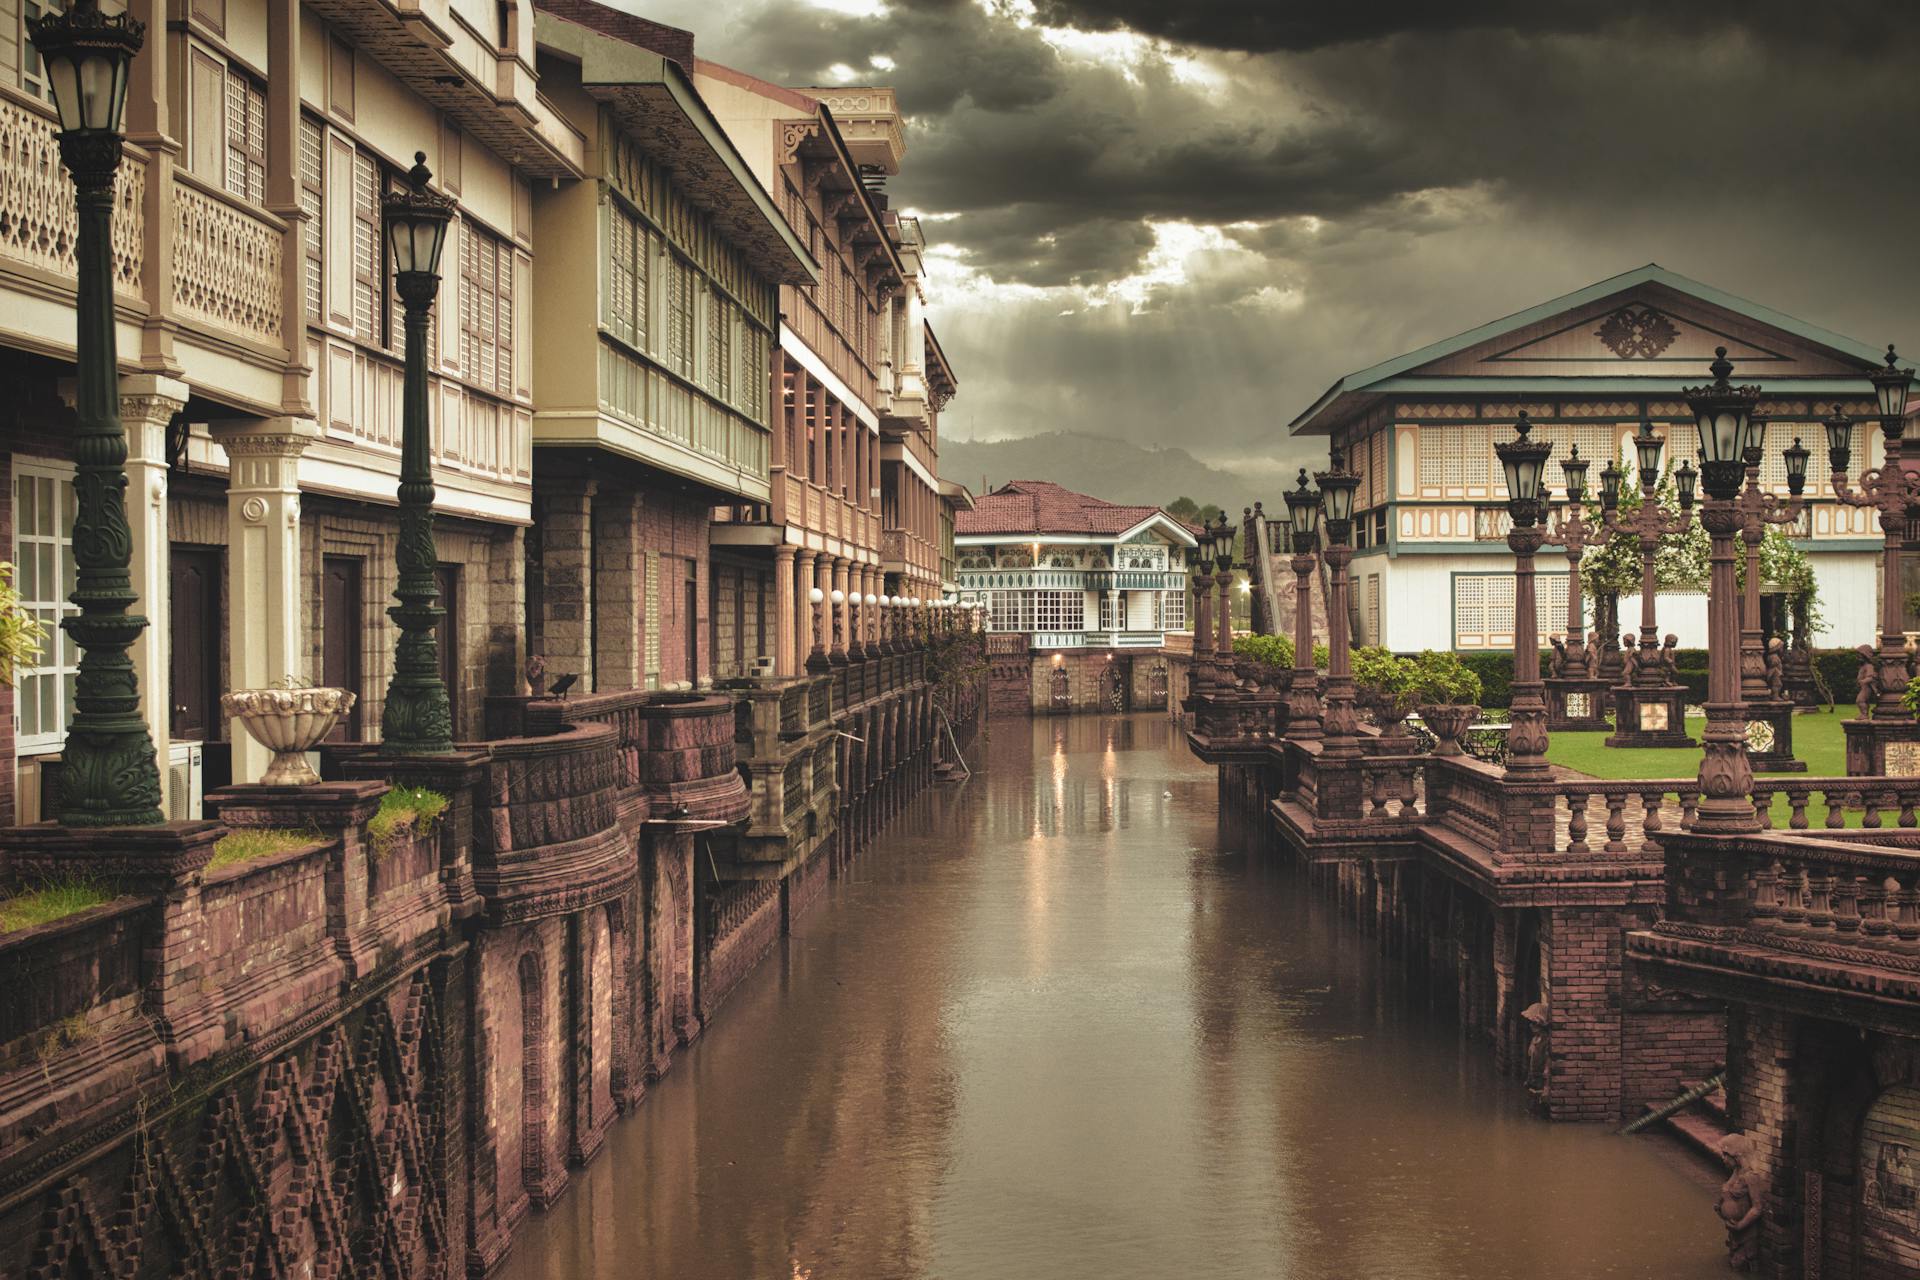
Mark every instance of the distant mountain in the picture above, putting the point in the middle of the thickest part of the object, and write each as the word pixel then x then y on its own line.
pixel 1110 469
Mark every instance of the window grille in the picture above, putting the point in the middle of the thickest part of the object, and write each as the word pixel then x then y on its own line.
pixel 313 204
pixel 1173 611
pixel 1483 609
pixel 1059 611
pixel 246 123
pixel 369 277
pixel 43 575
pixel 1454 457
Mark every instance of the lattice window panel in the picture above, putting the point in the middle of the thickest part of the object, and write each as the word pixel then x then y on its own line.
pixel 313 204
pixel 650 602
pixel 1173 611
pixel 1059 611
pixel 43 509
pixel 368 291
pixel 1378 489
pixel 1373 608
pixel 246 124
pixel 623 245
pixel 1455 457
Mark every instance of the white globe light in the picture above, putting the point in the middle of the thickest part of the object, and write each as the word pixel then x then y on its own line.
pixel 813 594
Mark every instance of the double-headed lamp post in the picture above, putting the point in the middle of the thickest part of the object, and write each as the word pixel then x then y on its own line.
pixel 1200 676
pixel 1891 490
pixel 1336 519
pixel 1648 707
pixel 1723 414
pixel 1303 697
pixel 1525 462
pixel 417 719
pixel 110 777
pixel 1573 536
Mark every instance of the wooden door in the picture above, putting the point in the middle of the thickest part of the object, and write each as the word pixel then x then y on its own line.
pixel 446 579
pixel 194 638
pixel 343 613
pixel 692 622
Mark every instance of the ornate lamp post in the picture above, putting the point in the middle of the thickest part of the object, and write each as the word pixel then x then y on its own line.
pixel 1770 748
pixel 1525 462
pixel 110 776
pixel 1890 489
pixel 1574 687
pixel 1200 675
pixel 1303 696
pixel 817 663
pixel 1723 414
pixel 1649 706
pixel 1223 583
pixel 839 654
pixel 417 719
pixel 1336 518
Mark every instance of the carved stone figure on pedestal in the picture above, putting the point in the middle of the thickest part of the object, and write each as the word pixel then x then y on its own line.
pixel 1777 667
pixel 1629 657
pixel 1866 682
pixel 1557 665
pixel 1535 1016
pixel 1668 662
pixel 1742 1202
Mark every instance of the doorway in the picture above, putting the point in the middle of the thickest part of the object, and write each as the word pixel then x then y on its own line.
pixel 343 618
pixel 193 634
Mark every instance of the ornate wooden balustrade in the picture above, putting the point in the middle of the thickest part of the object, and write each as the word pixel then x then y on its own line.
pixel 38 220
pixel 226 270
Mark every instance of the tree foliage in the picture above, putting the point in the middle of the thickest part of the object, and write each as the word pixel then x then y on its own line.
pixel 1679 565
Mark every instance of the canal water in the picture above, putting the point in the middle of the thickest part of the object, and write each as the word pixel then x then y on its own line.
pixel 1059 1026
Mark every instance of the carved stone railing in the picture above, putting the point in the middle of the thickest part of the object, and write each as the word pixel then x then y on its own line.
pixel 1621 818
pixel 38 220
pixel 547 832
pixel 688 756
pixel 226 262
pixel 1880 801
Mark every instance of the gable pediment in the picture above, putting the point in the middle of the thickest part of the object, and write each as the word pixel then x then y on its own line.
pixel 1649 330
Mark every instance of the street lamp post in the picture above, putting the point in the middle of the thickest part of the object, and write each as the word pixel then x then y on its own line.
pixel 1303 695
pixel 1649 707
pixel 110 778
pixel 1723 415
pixel 1890 489
pixel 1223 583
pixel 417 719
pixel 1200 673
pixel 1574 686
pixel 1769 750
pixel 1336 518
pixel 1525 462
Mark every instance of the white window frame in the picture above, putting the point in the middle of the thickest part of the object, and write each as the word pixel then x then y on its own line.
pixel 59 657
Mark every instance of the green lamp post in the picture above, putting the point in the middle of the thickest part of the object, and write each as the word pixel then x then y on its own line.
pixel 417 719
pixel 109 778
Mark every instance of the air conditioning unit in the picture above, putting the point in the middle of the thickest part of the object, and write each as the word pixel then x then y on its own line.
pixel 184 785
pixel 761 666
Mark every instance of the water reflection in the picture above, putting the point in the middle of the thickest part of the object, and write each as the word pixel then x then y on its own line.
pixel 1063 1026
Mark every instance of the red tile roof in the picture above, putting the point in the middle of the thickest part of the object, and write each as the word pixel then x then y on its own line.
pixel 1042 507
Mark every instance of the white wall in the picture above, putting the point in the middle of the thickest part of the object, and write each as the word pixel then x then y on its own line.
pixel 1417 598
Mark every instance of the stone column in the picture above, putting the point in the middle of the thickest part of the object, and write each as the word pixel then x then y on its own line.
pixel 842 613
pixel 822 577
pixel 617 599
pixel 566 625
pixel 264 586
pixel 147 405
pixel 784 621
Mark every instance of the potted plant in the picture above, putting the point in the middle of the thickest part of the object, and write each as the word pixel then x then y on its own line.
pixel 288 719
pixel 1385 683
pixel 1448 693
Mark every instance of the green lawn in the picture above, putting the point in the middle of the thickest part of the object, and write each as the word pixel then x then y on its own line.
pixel 1817 739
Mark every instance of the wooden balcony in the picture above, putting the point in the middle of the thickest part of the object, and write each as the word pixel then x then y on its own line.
pixel 226 274
pixel 38 221
pixel 850 365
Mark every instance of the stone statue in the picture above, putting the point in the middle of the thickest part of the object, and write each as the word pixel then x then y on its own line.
pixel 1866 683
pixel 1629 657
pixel 1777 668
pixel 536 675
pixel 1742 1203
pixel 1535 1016
pixel 1669 666
pixel 1557 665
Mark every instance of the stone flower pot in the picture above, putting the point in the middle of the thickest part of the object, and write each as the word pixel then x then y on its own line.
pixel 1449 724
pixel 288 722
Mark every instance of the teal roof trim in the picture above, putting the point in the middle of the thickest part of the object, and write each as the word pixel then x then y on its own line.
pixel 1368 379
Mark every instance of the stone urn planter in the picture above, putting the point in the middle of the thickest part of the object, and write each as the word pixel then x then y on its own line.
pixel 1449 724
pixel 288 722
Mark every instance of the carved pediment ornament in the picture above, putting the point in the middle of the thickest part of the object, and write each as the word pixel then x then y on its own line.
pixel 1636 333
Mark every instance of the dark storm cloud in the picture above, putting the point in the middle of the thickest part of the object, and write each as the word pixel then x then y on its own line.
pixel 1384 175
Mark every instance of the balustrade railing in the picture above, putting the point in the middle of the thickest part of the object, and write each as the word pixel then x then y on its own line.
pixel 38 219
pixel 226 262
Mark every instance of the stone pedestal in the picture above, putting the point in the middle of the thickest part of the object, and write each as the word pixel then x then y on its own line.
pixel 456 775
pixel 1650 715
pixel 264 588
pixel 1770 737
pixel 1576 703
pixel 1882 748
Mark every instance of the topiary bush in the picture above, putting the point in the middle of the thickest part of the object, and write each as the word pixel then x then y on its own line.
pixel 1442 679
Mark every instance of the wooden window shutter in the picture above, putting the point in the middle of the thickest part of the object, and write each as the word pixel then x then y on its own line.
pixel 313 204
pixel 246 125
pixel 367 294
pixel 503 320
pixel 206 116
pixel 620 232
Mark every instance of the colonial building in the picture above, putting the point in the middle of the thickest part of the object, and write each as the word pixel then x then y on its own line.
pixel 1089 588
pixel 670 257
pixel 1432 568
pixel 260 347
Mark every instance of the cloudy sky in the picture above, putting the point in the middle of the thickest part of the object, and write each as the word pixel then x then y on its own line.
pixel 1177 221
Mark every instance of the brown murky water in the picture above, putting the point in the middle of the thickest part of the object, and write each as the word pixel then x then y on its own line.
pixel 1059 1027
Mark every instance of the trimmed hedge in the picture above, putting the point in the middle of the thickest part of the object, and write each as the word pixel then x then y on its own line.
pixel 1837 667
